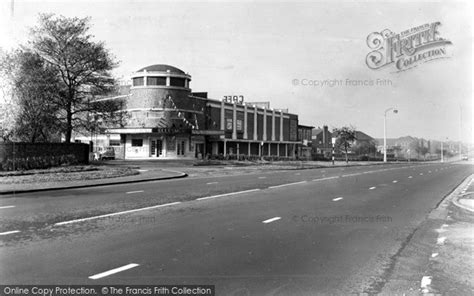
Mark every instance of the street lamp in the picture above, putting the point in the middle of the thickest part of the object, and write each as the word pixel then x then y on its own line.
pixel 385 132
pixel 442 158
pixel 442 152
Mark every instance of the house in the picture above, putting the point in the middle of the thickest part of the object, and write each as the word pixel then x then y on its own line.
pixel 321 141
pixel 305 138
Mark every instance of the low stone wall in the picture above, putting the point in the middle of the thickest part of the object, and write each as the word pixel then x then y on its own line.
pixel 24 156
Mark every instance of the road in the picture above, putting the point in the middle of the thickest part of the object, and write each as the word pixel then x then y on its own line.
pixel 307 232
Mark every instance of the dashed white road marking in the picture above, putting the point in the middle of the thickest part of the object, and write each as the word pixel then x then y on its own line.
pixel 434 255
pixel 112 271
pixel 116 213
pixel 262 177
pixel 328 178
pixel 429 172
pixel 409 177
pixel 7 207
pixel 337 198
pixel 288 184
pixel 421 174
pixel 210 183
pixel 271 220
pixel 394 181
pixel 372 188
pixel 350 175
pixel 227 194
pixel 142 170
pixel 440 240
pixel 131 192
pixel 297 174
pixel 425 282
pixel 9 232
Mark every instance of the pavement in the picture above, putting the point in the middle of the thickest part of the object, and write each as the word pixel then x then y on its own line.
pixel 331 231
pixel 439 252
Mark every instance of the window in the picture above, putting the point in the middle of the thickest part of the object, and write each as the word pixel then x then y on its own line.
pixel 156 81
pixel 114 142
pixel 138 81
pixel 174 81
pixel 229 124
pixel 137 142
pixel 239 125
pixel 180 146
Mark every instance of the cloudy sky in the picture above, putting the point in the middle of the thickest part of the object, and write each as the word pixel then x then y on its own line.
pixel 272 51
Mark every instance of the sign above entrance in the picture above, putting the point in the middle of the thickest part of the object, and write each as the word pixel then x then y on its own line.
pixel 234 99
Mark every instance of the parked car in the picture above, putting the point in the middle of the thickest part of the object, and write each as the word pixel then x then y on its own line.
pixel 465 157
pixel 106 153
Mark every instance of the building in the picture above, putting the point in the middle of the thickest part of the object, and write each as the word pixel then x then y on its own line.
pixel 305 139
pixel 166 120
pixel 322 142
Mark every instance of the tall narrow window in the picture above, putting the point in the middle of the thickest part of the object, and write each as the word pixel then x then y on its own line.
pixel 180 147
pixel 138 81
pixel 156 80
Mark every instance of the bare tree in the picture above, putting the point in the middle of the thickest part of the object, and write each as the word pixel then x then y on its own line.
pixel 83 68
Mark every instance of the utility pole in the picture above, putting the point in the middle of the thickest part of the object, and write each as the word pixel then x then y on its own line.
pixel 385 132
pixel 442 156
pixel 460 132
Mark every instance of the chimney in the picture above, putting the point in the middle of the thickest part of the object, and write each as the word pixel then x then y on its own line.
pixel 325 135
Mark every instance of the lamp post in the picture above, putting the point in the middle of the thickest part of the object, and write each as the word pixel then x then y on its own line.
pixel 385 132
pixel 442 150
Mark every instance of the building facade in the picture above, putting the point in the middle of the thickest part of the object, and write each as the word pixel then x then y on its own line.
pixel 165 120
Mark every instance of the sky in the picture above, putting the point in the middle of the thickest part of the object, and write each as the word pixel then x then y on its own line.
pixel 309 57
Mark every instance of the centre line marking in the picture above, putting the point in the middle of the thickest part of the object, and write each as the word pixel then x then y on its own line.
pixel 421 174
pixel 271 220
pixel 9 232
pixel 425 282
pixel 409 177
pixel 211 183
pixel 131 192
pixel 117 213
pixel 328 178
pixel 262 177
pixel 227 194
pixel 337 198
pixel 441 240
pixel 288 184
pixel 7 207
pixel 112 271
pixel 371 188
pixel 394 181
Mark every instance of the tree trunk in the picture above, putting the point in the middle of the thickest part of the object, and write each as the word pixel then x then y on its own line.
pixel 68 127
pixel 347 159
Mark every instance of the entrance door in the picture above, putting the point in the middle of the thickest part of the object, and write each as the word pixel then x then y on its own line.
pixel 156 148
pixel 199 151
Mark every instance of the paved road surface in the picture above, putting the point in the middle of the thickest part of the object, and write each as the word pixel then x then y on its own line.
pixel 333 230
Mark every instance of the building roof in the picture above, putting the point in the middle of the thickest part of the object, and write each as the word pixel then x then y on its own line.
pixel 305 126
pixel 317 131
pixel 361 136
pixel 162 68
